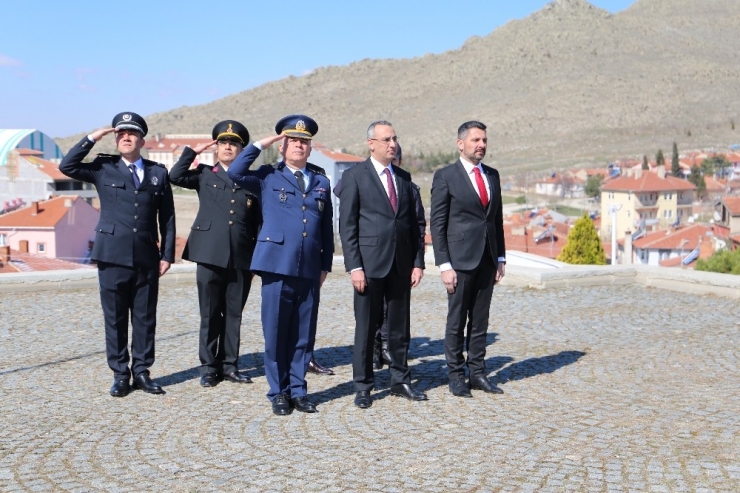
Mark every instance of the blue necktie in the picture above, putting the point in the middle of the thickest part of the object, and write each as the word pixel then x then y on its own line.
pixel 134 172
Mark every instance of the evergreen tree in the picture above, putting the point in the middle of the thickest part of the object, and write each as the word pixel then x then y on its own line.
pixel 645 162
pixel 659 158
pixel 724 262
pixel 675 168
pixel 583 245
pixel 593 186
pixel 697 179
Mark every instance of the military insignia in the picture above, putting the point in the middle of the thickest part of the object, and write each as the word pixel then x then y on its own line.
pixel 154 180
pixel 321 205
pixel 126 117
pixel 300 126
pixel 283 197
pixel 228 130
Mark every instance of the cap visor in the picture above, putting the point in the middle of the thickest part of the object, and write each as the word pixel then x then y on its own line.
pixel 299 135
pixel 129 126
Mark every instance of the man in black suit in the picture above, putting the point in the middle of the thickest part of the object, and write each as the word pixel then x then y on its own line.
pixel 135 197
pixel 468 239
pixel 383 254
pixel 221 241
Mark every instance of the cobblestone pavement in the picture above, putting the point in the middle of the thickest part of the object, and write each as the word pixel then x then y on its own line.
pixel 606 389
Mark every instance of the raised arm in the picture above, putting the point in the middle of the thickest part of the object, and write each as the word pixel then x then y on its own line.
pixel 181 174
pixel 72 164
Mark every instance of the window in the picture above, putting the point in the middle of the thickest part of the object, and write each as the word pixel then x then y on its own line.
pixel 3 239
pixel 41 247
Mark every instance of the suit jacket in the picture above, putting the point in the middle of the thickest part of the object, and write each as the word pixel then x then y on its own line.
pixel 297 236
pixel 461 227
pixel 225 229
pixel 127 231
pixel 373 236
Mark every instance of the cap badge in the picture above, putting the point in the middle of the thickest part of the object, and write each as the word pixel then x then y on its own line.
pixel 154 180
pixel 300 126
pixel 283 196
pixel 229 130
pixel 126 117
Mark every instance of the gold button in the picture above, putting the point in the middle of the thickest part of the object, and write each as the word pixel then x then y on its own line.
pixel 305 234
pixel 231 212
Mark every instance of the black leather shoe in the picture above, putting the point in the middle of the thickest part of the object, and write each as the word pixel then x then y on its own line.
pixel 482 383
pixel 237 377
pixel 120 388
pixel 385 354
pixel 363 399
pixel 377 358
pixel 302 404
pixel 209 380
pixel 143 382
pixel 314 367
pixel 459 387
pixel 281 405
pixel 407 391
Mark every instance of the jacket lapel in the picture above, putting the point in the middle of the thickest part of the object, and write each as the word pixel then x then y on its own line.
pixel 375 179
pixel 468 184
pixel 125 171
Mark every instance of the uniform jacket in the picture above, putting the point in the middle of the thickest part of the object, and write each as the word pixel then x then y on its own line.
pixel 373 236
pixel 129 218
pixel 461 227
pixel 225 229
pixel 297 237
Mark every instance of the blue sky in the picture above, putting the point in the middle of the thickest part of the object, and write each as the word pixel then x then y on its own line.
pixel 69 66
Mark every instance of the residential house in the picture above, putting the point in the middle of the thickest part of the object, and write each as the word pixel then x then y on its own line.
pixel 13 261
pixel 670 247
pixel 727 224
pixel 652 200
pixel 62 228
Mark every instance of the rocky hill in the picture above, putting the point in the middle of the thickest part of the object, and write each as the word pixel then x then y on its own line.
pixel 570 82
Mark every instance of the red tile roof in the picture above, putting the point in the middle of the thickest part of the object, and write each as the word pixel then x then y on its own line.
pixel 32 262
pixel 672 240
pixel 42 214
pixel 732 204
pixel 48 168
pixel 648 182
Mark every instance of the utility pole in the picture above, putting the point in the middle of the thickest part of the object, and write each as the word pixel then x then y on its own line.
pixel 613 209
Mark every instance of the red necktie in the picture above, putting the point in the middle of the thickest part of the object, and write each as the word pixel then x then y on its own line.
pixel 481 187
pixel 391 190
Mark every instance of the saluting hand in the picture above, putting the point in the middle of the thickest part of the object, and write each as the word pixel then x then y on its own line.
pixel 416 276
pixel 268 141
pixel 449 278
pixel 202 147
pixel 101 132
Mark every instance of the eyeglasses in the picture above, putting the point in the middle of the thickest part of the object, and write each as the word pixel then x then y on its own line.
pixel 387 141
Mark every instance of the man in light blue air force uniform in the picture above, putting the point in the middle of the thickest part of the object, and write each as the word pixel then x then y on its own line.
pixel 293 255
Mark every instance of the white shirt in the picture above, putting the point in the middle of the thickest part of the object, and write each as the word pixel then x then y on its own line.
pixel 380 170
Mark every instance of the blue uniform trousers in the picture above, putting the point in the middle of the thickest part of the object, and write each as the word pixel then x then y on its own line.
pixel 290 307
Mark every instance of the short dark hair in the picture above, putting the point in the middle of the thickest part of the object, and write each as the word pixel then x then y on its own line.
pixel 371 128
pixel 462 130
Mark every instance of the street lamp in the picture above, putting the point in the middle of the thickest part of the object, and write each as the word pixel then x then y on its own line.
pixel 613 209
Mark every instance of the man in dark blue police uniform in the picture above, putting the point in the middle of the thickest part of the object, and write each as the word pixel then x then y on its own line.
pixel 221 241
pixel 293 255
pixel 136 212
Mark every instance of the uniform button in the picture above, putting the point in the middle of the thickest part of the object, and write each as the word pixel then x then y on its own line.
pixel 304 195
pixel 135 230
pixel 214 185
pixel 136 192
pixel 197 227
pixel 233 201
pixel 268 238
pixel 303 208
pixel 136 217
pixel 233 190
pixel 136 204
pixel 231 223
pixel 231 212
pixel 305 234
pixel 305 221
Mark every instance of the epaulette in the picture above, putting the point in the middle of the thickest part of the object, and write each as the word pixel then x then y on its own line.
pixel 315 169
pixel 154 163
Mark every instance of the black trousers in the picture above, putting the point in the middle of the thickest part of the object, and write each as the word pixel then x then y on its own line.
pixel 381 334
pixel 395 288
pixel 123 291
pixel 222 294
pixel 469 308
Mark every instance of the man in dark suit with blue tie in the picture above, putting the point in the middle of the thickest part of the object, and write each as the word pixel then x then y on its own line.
pixel 293 255
pixel 385 258
pixel 221 241
pixel 134 244
pixel 468 238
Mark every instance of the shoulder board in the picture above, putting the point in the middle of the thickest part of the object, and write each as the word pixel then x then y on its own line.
pixel 106 157
pixel 315 169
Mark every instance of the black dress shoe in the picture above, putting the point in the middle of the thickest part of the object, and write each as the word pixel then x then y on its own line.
pixel 302 404
pixel 143 382
pixel 407 391
pixel 237 377
pixel 377 357
pixel 385 354
pixel 459 387
pixel 281 405
pixel 482 383
pixel 363 399
pixel 209 380
pixel 120 388
pixel 314 367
